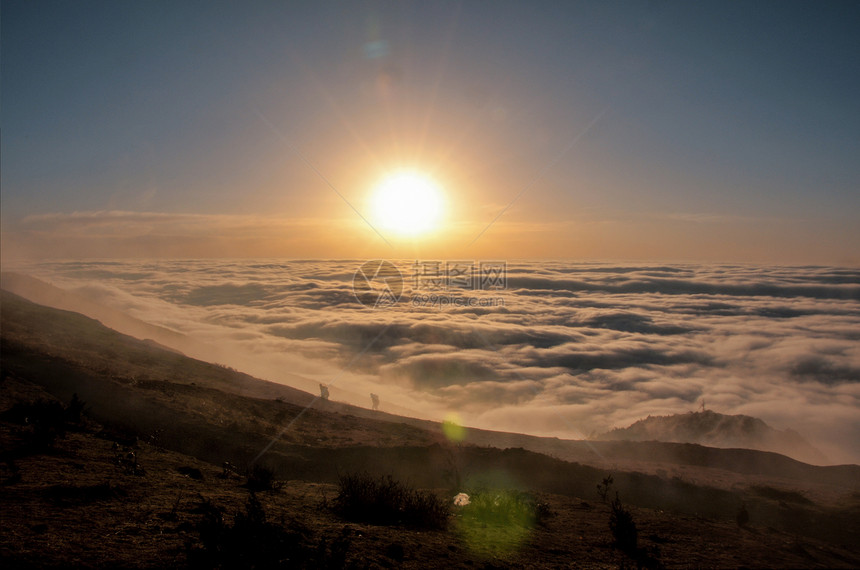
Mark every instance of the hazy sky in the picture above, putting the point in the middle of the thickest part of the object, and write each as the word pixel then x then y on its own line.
pixel 635 130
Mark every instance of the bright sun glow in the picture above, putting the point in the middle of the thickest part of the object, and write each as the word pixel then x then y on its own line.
pixel 407 203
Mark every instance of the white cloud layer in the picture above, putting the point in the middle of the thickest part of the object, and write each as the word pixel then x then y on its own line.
pixel 576 348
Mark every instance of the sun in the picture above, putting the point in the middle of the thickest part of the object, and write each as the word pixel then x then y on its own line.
pixel 407 203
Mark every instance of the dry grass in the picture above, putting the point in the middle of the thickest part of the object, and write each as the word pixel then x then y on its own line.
pixel 76 507
pixel 384 501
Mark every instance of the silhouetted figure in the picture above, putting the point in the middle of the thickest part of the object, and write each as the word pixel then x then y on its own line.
pixel 743 516
pixel 375 399
pixel 324 391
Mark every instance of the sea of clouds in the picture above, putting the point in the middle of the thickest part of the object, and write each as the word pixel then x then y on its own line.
pixel 559 348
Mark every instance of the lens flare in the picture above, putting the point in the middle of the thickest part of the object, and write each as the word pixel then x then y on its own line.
pixel 453 428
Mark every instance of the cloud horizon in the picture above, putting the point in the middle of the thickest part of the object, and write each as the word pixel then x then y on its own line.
pixel 676 237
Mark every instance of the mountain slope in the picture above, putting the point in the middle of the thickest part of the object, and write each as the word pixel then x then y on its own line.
pixel 140 384
pixel 81 504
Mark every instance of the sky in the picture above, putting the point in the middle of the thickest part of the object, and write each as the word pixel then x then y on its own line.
pixel 703 131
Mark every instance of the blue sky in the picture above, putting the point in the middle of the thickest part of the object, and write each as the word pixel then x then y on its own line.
pixel 705 130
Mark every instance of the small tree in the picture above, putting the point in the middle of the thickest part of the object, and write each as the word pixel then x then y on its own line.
pixel 75 409
pixel 604 488
pixel 622 526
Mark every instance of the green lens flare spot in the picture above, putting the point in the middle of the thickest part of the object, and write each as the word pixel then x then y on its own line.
pixel 497 523
pixel 453 428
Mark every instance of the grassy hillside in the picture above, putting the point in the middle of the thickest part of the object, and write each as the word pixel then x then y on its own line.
pixel 81 501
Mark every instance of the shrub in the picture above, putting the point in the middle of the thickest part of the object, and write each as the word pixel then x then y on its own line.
pixel 252 541
pixel 604 488
pixel 75 410
pixel 384 501
pixel 622 526
pixel 261 478
pixel 46 422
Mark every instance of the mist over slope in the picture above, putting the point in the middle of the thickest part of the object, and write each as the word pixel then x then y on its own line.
pixel 149 388
pixel 574 349
pixel 46 294
pixel 719 430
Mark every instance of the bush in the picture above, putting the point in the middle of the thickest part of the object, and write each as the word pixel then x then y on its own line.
pixel 604 488
pixel 46 422
pixel 384 501
pixel 622 526
pixel 261 478
pixel 75 410
pixel 254 542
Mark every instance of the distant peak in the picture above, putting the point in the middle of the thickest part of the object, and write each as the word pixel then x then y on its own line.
pixel 707 427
